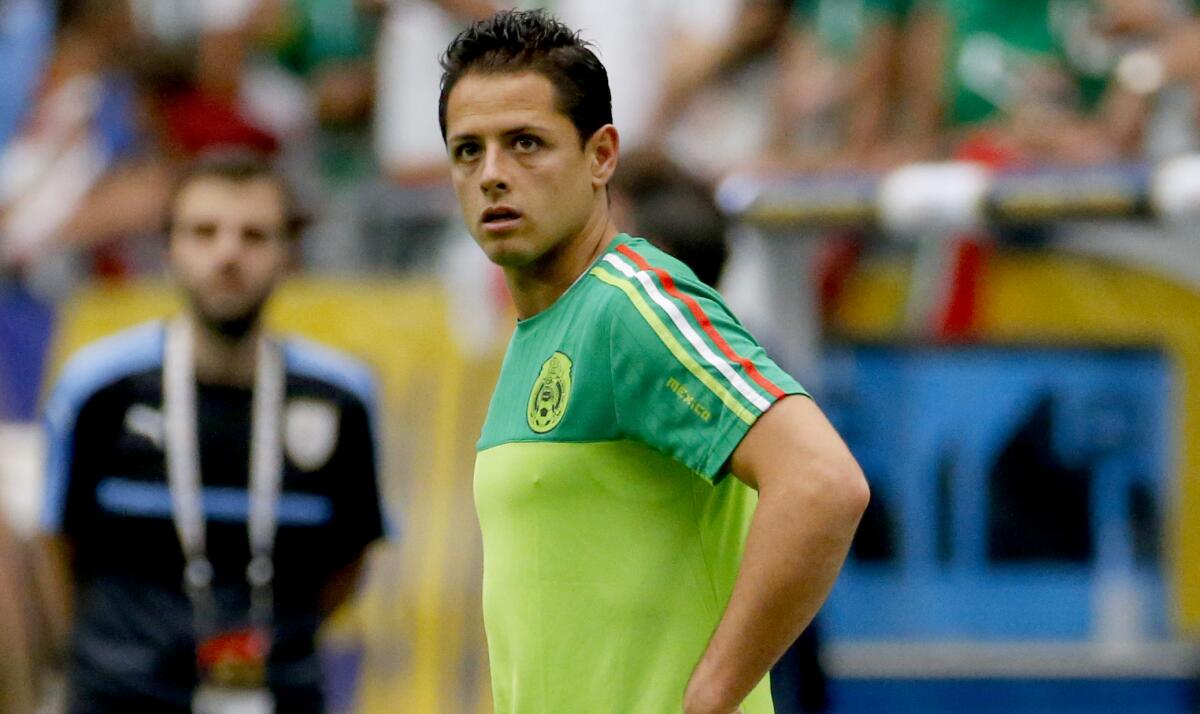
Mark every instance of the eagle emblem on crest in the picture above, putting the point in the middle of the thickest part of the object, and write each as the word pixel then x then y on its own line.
pixel 551 394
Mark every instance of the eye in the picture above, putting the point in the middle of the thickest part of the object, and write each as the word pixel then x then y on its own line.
pixel 254 234
pixel 466 151
pixel 526 143
pixel 204 229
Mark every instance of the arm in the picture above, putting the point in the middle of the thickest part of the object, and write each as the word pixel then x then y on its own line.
pixel 128 201
pixel 55 588
pixel 810 82
pixel 871 94
pixel 800 467
pixel 67 499
pixel 921 86
pixel 358 511
pixel 1129 101
pixel 78 423
pixel 799 89
pixel 342 585
pixel 759 25
pixel 18 634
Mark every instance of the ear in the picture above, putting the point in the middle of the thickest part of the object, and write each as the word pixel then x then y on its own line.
pixel 603 148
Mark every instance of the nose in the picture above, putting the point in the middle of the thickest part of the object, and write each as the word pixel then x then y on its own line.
pixel 229 245
pixel 493 175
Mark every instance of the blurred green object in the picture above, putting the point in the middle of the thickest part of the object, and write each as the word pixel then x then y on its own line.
pixel 1003 52
pixel 842 25
pixel 323 31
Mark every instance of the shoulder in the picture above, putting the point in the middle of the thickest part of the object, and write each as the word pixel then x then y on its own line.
pixel 336 369
pixel 650 270
pixel 104 363
pixel 639 254
pixel 652 286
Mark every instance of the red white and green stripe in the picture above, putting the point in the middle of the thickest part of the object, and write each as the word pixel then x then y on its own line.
pixel 698 345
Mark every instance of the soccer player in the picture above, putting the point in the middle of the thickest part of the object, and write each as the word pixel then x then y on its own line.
pixel 663 509
pixel 214 486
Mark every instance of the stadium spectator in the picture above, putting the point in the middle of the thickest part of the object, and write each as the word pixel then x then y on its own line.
pixel 81 170
pixel 843 94
pixel 26 41
pixel 212 488
pixel 660 201
pixel 1032 80
pixel 838 92
pixel 1151 107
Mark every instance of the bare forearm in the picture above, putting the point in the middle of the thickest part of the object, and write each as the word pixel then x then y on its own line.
pixel 54 566
pixel 798 541
pixel 341 586
pixel 759 25
pixel 869 100
pixel 1180 52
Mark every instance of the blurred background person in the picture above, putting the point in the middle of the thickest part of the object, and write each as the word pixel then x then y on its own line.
pixel 839 89
pixel 81 169
pixel 841 94
pixel 207 538
pixel 1036 78
pixel 674 210
pixel 26 39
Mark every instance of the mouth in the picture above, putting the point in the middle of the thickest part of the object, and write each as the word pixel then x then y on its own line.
pixel 498 219
pixel 229 284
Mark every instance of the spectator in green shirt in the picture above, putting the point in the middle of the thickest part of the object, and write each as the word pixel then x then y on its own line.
pixel 1032 78
pixel 840 95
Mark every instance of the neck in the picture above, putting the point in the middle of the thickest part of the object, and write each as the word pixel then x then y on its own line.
pixel 535 287
pixel 221 359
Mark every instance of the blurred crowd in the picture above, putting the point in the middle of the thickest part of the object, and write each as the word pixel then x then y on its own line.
pixel 103 98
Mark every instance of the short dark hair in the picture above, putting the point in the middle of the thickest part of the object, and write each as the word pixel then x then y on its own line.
pixel 532 40
pixel 239 165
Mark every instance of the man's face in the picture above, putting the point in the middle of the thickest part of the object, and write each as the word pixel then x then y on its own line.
pixel 524 182
pixel 228 248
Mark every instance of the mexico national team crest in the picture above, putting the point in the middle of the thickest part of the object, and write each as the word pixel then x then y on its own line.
pixel 551 392
pixel 310 432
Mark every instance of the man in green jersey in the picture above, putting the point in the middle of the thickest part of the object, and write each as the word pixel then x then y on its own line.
pixel 624 571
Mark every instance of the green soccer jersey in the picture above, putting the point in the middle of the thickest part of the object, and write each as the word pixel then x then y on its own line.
pixel 611 538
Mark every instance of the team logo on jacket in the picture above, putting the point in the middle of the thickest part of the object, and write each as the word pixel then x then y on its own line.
pixel 551 393
pixel 310 432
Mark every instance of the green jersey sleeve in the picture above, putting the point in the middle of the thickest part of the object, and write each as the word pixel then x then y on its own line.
pixel 687 377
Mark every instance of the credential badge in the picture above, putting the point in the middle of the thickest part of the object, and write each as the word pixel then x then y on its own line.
pixel 551 393
pixel 310 432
